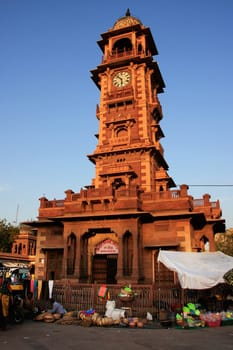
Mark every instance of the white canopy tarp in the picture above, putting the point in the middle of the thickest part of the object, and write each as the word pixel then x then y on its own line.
pixel 197 270
pixel 14 265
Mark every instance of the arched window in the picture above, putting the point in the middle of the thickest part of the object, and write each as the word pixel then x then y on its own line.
pixel 20 248
pixel 122 132
pixel 83 256
pixel 140 48
pixel 127 254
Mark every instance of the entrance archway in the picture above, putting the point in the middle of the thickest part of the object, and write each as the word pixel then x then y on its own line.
pixel 104 264
pixel 104 268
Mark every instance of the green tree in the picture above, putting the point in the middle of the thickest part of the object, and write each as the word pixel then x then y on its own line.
pixel 224 242
pixel 8 233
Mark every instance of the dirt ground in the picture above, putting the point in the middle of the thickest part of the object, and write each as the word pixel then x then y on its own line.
pixel 42 336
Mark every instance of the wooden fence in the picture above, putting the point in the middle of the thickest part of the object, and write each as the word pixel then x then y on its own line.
pixel 75 296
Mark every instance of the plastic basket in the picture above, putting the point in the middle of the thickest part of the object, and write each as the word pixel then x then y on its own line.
pixel 227 322
pixel 216 323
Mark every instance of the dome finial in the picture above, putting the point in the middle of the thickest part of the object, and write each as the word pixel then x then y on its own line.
pixel 128 12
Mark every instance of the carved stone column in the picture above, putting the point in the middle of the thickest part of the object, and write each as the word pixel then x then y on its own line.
pixel 135 273
pixel 77 258
pixel 119 275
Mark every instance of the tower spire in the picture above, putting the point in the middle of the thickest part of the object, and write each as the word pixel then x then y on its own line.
pixel 128 12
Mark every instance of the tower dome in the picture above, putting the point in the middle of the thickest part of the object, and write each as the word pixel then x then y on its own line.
pixel 126 21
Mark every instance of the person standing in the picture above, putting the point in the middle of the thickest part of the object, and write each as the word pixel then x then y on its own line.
pixel 5 295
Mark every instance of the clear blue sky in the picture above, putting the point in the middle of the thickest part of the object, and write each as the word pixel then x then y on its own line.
pixel 48 101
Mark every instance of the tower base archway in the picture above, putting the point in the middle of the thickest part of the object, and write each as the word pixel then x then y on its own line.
pixel 104 268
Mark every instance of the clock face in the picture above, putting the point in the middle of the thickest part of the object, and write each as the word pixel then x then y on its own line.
pixel 121 79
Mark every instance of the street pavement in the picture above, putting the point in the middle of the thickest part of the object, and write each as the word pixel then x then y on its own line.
pixel 32 335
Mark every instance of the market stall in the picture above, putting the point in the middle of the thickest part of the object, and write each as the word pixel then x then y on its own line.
pixel 197 270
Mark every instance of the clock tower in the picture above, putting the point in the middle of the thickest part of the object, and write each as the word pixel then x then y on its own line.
pixel 129 151
pixel 112 229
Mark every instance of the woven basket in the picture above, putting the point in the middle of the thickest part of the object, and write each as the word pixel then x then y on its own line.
pixel 71 314
pixel 39 317
pixel 49 321
pixel 86 322
pixel 69 321
pixel 126 298
pixel 48 317
pixel 57 316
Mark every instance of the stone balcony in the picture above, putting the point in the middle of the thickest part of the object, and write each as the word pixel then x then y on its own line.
pixel 96 200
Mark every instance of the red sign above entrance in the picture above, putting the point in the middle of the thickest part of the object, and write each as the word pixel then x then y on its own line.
pixel 107 247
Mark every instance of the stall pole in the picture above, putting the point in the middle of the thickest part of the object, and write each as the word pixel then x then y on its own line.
pixel 159 286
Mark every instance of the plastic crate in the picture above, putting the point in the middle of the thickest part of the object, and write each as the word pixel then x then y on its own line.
pixel 216 323
pixel 227 322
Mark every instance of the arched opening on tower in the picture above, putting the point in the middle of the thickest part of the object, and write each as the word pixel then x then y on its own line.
pixel 122 45
pixel 140 49
pixel 204 243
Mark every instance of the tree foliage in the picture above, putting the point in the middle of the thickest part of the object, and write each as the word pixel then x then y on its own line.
pixel 224 242
pixel 8 233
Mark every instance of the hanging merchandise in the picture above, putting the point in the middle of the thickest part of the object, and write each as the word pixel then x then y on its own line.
pixel 103 293
pixel 32 286
pixel 35 289
pixel 39 289
pixel 51 282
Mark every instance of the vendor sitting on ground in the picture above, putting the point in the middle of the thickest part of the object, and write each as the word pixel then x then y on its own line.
pixel 57 308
